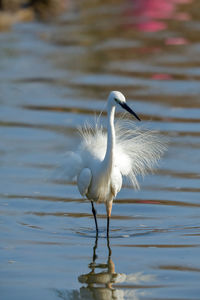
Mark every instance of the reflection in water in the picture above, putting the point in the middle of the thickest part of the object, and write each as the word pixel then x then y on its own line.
pixel 102 280
pixel 99 284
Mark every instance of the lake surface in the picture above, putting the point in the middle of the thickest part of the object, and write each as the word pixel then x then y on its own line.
pixel 53 77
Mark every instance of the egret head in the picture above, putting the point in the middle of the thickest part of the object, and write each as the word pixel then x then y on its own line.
pixel 116 97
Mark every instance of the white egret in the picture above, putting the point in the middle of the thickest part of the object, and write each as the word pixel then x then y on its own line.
pixel 103 159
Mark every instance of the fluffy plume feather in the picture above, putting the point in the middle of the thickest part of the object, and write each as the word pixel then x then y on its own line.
pixel 137 151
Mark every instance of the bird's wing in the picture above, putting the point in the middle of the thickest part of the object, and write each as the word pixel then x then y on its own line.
pixel 92 148
pixel 84 179
pixel 137 151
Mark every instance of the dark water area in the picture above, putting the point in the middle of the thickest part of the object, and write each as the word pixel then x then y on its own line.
pixel 53 77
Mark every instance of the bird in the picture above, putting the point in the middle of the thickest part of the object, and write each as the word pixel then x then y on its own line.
pixel 104 159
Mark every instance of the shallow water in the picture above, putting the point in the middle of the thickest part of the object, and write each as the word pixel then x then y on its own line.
pixel 52 78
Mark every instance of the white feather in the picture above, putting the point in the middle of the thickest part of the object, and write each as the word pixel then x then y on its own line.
pixel 136 152
pixel 84 179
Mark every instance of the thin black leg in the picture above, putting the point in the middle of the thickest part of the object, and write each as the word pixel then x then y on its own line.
pixel 108 225
pixel 95 217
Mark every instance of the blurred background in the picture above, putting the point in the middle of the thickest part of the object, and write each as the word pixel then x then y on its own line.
pixel 59 59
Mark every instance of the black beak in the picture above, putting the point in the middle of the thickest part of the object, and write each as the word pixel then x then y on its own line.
pixel 126 107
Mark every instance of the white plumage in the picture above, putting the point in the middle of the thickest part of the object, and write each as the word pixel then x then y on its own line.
pixel 137 151
pixel 104 158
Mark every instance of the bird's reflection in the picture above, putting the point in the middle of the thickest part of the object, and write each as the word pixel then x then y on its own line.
pixel 101 277
pixel 103 283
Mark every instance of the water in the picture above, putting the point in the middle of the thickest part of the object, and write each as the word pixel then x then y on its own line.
pixel 52 78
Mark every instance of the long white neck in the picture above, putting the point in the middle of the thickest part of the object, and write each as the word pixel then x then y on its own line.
pixel 109 156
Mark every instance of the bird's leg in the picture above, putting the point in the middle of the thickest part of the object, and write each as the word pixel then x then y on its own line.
pixel 95 218
pixel 108 209
pixel 108 225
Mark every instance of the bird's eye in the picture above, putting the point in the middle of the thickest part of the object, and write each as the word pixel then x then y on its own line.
pixel 117 100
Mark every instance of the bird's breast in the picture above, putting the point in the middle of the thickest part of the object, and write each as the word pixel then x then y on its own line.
pixel 105 187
